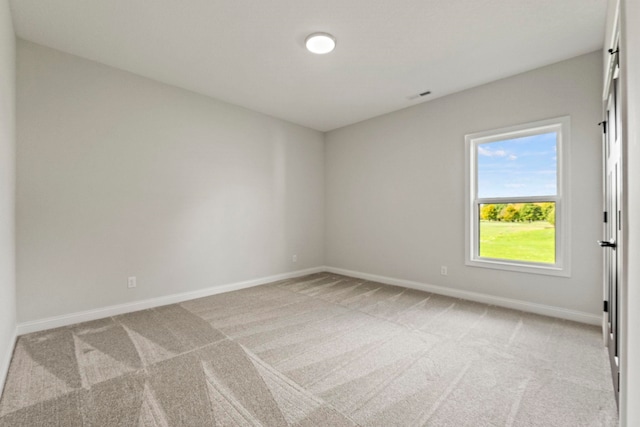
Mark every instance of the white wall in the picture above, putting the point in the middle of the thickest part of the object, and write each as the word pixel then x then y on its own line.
pixel 122 176
pixel 7 189
pixel 395 186
pixel 630 68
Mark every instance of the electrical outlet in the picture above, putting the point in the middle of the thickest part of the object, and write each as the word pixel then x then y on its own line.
pixel 131 282
pixel 294 258
pixel 443 270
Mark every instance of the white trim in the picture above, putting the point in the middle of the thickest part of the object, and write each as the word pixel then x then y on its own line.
pixel 545 310
pixel 613 43
pixel 113 310
pixel 6 361
pixel 562 266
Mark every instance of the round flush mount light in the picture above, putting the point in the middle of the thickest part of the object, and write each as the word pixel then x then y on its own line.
pixel 320 43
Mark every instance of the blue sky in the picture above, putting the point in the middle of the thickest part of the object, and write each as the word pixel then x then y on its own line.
pixel 518 167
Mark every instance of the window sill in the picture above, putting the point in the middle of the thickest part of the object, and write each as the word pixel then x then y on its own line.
pixel 520 267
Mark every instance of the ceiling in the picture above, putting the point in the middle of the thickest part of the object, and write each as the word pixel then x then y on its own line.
pixel 251 52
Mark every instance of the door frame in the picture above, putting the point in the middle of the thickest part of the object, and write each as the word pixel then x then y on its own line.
pixel 613 173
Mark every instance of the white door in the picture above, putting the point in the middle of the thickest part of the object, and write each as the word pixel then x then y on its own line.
pixel 613 221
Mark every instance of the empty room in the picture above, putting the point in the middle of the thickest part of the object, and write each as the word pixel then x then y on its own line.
pixel 335 213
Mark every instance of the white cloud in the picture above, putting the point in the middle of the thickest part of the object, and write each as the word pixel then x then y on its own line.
pixel 493 153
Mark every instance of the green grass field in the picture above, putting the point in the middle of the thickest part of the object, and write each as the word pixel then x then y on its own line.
pixel 522 241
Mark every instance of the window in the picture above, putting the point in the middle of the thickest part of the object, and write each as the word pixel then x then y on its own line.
pixel 517 210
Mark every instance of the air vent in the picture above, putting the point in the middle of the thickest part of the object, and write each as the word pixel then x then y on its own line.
pixel 420 95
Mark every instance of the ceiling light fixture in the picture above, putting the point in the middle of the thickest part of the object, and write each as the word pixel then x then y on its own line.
pixel 320 43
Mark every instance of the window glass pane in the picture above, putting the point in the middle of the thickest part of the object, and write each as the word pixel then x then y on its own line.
pixel 518 167
pixel 518 231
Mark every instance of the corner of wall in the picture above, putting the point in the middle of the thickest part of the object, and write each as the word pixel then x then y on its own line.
pixel 6 360
pixel 7 189
pixel 325 199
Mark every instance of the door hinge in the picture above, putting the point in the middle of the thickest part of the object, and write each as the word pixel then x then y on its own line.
pixel 605 216
pixel 604 126
pixel 606 306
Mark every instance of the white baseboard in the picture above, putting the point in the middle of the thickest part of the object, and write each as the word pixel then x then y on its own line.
pixel 546 310
pixel 99 313
pixel 114 310
pixel 6 361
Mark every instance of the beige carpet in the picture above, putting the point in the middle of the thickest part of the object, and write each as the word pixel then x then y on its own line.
pixel 321 350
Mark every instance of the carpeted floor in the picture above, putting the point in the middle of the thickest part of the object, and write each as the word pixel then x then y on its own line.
pixel 321 350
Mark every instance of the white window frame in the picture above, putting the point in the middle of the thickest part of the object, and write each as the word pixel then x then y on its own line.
pixel 562 266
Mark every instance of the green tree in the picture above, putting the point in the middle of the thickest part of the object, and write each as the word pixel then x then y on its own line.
pixel 510 214
pixel 546 207
pixel 531 212
pixel 551 215
pixel 489 213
